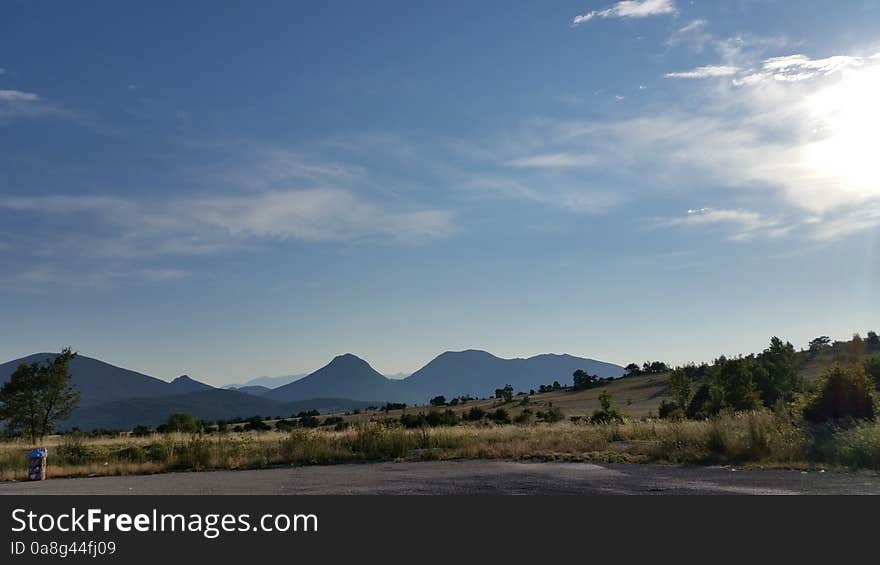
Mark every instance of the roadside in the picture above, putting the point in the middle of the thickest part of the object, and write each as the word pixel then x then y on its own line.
pixel 467 477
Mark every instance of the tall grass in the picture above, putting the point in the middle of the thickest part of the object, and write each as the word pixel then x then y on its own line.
pixel 757 438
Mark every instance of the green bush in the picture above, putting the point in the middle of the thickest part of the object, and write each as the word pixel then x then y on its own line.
pixel 842 393
pixel 670 411
pixel 500 416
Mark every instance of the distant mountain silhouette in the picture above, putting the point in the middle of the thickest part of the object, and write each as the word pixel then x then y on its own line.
pixel 454 373
pixel 184 384
pixel 346 376
pixel 212 404
pixel 253 389
pixel 99 382
pixel 268 382
pixel 117 398
pixel 479 373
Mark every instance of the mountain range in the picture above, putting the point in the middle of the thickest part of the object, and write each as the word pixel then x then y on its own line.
pixel 117 398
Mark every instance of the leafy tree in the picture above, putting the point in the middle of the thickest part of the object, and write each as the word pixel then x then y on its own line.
pixel 141 431
pixel 506 393
pixel 609 412
pixel 584 380
pixel 36 396
pixel 872 342
pixel 439 401
pixel 181 422
pixel 632 370
pixel 475 414
pixel 842 393
pixel 779 380
pixel 679 386
pixel 819 344
pixel 256 424
pixel 872 369
pixel 501 416
pixel 556 385
pixel 856 349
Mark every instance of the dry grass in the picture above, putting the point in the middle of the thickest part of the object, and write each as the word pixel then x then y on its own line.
pixel 758 438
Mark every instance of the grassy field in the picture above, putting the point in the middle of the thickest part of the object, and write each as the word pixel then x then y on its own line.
pixel 638 397
pixel 756 439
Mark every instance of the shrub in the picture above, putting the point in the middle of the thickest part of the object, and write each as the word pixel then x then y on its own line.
pixel 842 393
pixel 475 414
pixel 524 417
pixel 256 424
pixel 74 450
pixel 141 431
pixel 500 416
pixel 181 422
pixel 609 412
pixel 552 415
pixel 670 411
pixel 436 418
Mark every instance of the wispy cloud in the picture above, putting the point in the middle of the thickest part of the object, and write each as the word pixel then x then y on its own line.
pixel 19 104
pixel 17 96
pixel 628 9
pixel 709 71
pixel 198 225
pixel 553 161
pixel 746 224
pixel 796 68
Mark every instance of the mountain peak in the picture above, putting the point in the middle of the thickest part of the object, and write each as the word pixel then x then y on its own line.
pixel 185 383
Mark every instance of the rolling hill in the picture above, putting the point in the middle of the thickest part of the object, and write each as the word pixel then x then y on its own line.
pixel 213 404
pixel 479 373
pixel 472 372
pixel 99 382
pixel 346 376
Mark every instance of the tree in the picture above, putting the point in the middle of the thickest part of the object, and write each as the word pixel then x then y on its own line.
pixel 842 393
pixel 439 401
pixel 38 395
pixel 679 386
pixel 506 393
pixel 779 380
pixel 181 422
pixel 632 370
pixel 872 342
pixel 820 343
pixel 856 349
pixel 609 412
pixel 583 380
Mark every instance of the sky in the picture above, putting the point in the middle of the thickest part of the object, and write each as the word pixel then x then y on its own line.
pixel 229 189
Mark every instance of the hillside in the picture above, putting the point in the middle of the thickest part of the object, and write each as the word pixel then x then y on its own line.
pixel 478 373
pixel 346 376
pixel 99 382
pixel 184 384
pixel 213 404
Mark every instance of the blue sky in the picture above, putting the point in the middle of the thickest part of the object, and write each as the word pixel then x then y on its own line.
pixel 230 190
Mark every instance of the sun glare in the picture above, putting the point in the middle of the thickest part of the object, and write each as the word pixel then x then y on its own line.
pixel 847 155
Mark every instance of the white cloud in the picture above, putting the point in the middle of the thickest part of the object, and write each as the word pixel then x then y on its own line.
pixel 553 161
pixel 211 224
pixel 17 96
pixel 316 215
pixel 19 104
pixel 746 223
pixel 710 71
pixel 629 9
pixel 796 68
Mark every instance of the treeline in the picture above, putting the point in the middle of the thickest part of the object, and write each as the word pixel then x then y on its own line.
pixel 772 380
